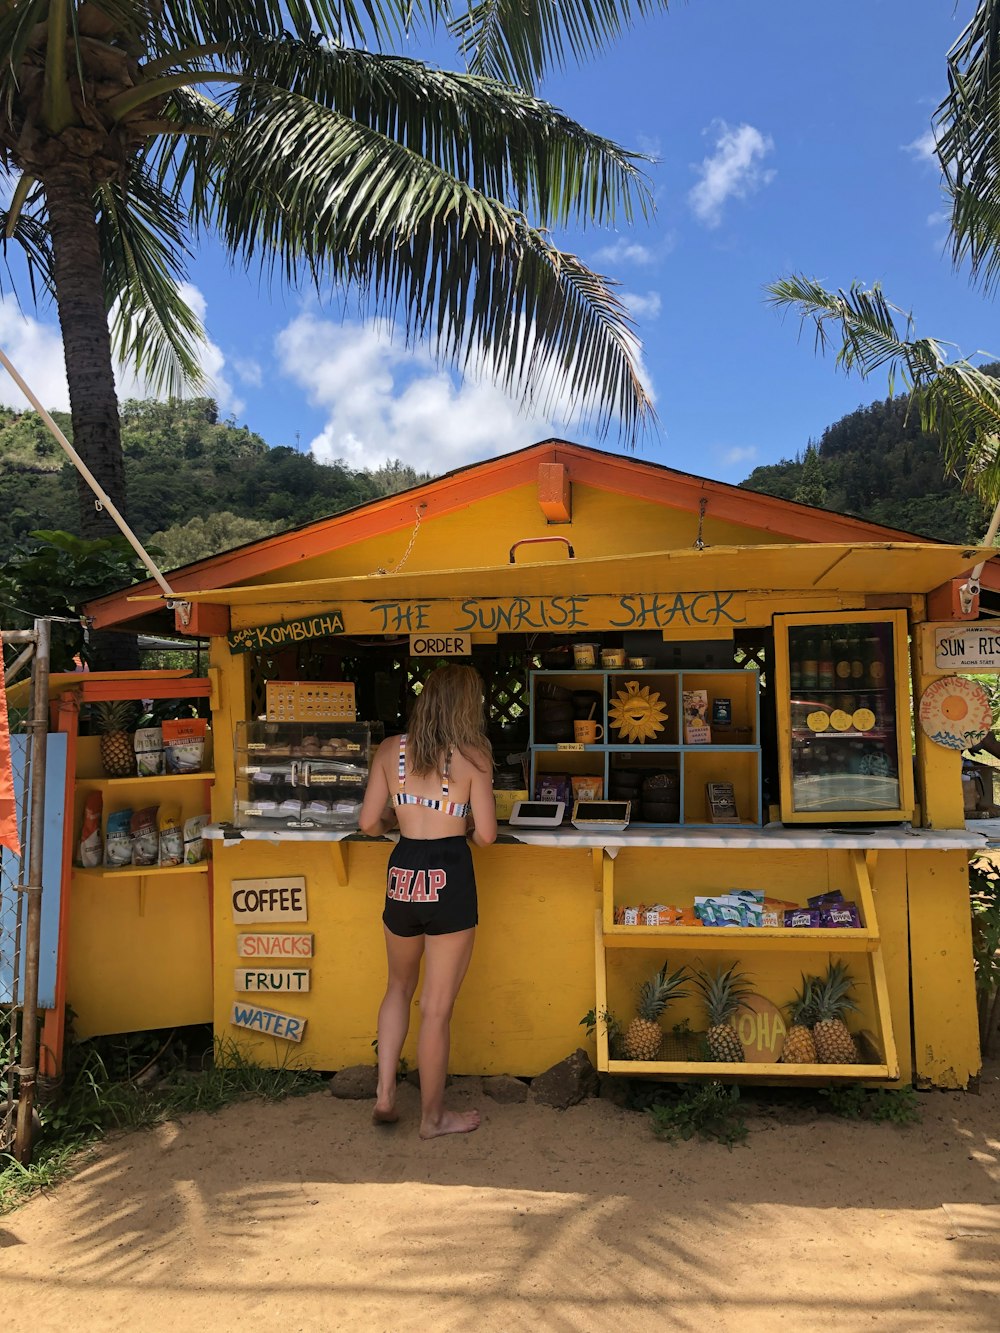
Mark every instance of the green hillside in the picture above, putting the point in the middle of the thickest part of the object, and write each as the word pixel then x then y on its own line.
pixel 196 484
pixel 877 464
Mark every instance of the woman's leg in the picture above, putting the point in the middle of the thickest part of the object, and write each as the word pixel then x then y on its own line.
pixel 446 960
pixel 403 953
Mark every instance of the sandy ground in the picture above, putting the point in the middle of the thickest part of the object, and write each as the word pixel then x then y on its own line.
pixel 302 1216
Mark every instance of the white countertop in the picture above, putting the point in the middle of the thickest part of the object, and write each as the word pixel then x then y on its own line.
pixel 893 837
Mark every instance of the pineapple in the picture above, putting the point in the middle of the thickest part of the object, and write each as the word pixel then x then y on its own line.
pixel 644 1036
pixel 114 722
pixel 831 1000
pixel 723 993
pixel 799 1047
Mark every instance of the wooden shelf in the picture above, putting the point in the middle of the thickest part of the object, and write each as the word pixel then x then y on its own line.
pixel 865 943
pixel 745 1069
pixel 169 779
pixel 139 872
pixel 784 939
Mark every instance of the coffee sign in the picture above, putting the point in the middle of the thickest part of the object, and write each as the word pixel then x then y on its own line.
pixel 269 900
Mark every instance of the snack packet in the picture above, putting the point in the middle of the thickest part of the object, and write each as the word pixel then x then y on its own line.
pixel 704 910
pixel 587 787
pixel 803 917
pixel 184 744
pixel 145 838
pixel 118 842
pixel 171 836
pixel 194 848
pixel 842 914
pixel 822 900
pixel 689 918
pixel 91 850
pixel 148 745
pixel 773 911
pixel 661 915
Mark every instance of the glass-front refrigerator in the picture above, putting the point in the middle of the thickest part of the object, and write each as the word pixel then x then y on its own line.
pixel 843 712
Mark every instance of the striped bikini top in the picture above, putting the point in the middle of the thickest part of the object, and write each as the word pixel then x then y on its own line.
pixel 402 797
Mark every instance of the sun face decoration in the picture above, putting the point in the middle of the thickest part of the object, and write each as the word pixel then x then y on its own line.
pixel 637 714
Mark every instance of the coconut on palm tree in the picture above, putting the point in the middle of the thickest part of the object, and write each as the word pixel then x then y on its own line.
pixel 129 129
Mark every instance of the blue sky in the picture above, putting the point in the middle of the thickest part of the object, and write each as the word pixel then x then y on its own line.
pixel 790 136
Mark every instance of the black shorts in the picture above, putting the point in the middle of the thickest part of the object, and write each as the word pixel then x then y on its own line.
pixel 430 887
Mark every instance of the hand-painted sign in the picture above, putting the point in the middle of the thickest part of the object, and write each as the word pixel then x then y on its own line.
pixel 671 612
pixel 288 1027
pixel 578 611
pixel 256 637
pixel 269 899
pixel 272 979
pixel 274 946
pixel 760 1026
pixel 440 645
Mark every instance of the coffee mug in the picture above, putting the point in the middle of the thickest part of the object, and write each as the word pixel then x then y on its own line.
pixel 586 732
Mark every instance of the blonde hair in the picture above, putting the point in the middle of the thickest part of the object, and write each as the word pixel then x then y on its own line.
pixel 448 715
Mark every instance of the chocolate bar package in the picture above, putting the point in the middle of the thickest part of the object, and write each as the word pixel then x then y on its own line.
pixel 554 787
pixel 822 900
pixel 773 911
pixel 841 914
pixel 803 917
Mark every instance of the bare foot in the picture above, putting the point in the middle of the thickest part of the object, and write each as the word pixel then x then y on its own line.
pixel 451 1122
pixel 384 1115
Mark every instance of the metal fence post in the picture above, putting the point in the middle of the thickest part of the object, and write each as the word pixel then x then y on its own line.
pixel 39 727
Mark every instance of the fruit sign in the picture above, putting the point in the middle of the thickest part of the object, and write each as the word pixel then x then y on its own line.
pixel 761 1028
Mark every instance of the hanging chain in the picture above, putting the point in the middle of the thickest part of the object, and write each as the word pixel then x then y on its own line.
pixel 413 537
pixel 702 506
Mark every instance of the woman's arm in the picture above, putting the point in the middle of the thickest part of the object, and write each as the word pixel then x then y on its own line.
pixel 374 818
pixel 484 806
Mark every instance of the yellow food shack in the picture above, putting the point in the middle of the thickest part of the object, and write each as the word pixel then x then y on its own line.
pixel 751 789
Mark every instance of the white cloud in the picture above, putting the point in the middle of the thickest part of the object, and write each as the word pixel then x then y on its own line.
pixel 733 171
pixel 924 148
pixel 37 355
pixel 386 401
pixel 36 350
pixel 248 371
pixel 625 252
pixel 643 307
pixel 740 453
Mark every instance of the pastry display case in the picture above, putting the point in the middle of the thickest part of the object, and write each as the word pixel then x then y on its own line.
pixel 301 775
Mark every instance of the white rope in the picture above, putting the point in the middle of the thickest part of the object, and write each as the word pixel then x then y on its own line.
pixel 102 497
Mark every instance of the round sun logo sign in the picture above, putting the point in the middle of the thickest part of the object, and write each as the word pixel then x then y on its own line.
pixel 637 714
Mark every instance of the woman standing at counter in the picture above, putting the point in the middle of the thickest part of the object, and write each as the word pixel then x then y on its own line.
pixel 437 774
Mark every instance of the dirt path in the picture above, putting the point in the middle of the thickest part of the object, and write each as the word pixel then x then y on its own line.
pixel 301 1216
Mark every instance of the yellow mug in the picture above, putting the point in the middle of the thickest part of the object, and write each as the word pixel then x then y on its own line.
pixel 586 732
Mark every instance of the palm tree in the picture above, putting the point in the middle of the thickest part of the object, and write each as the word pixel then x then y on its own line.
pixel 132 126
pixel 967 140
pixel 956 400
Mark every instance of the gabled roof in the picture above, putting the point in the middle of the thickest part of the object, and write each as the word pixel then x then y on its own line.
pixel 629 476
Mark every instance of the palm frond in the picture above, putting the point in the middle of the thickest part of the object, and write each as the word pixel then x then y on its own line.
pixel 195 22
pixel 31 235
pixel 957 401
pixel 518 42
pixel 303 186
pixel 967 134
pixel 504 143
pixel 142 247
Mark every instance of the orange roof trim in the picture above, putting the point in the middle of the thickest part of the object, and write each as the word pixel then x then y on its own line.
pixel 615 473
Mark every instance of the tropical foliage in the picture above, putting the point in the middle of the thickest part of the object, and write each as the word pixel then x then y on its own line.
pixel 956 400
pixel 878 464
pixel 198 485
pixel 291 131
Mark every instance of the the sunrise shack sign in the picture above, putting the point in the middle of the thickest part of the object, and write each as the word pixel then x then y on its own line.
pixel 253 639
pixel 572 612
